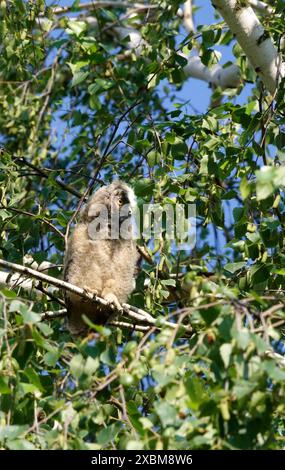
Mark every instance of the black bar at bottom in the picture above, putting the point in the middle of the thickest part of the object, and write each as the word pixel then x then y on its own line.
pixel 126 459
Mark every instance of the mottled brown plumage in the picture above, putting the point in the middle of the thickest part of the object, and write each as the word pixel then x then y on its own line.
pixel 103 266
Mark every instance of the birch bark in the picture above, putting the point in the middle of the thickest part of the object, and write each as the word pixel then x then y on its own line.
pixel 254 40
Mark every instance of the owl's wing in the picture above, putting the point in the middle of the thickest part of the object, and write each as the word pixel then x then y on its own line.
pixel 72 302
pixel 76 325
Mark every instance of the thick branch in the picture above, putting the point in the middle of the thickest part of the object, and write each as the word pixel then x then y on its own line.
pixel 261 7
pixel 188 16
pixel 16 280
pixel 132 312
pixel 254 40
pixel 218 76
pixel 228 77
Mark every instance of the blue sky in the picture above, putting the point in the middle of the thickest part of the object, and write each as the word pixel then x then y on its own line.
pixel 197 92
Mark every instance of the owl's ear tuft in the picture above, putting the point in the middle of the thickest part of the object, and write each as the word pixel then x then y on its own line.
pixel 132 198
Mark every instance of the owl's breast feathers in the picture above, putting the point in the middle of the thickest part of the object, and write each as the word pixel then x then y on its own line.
pixel 105 267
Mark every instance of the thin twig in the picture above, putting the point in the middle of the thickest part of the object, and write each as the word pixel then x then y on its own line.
pixel 35 216
pixel 94 5
pixel 98 169
pixel 50 315
pixel 44 174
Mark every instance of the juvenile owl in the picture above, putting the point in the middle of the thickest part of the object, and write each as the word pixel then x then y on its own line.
pixel 101 255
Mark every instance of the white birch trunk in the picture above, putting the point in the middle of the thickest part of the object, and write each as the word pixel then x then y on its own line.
pixel 188 16
pixel 254 40
pixel 261 7
pixel 228 77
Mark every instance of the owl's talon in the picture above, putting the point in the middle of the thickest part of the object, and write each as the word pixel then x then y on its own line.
pixel 112 300
pixel 88 291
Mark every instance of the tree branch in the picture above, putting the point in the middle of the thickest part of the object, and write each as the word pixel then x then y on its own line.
pixel 261 7
pixel 44 174
pixel 188 16
pixel 94 5
pixel 16 280
pixel 254 40
pixel 228 77
pixel 134 313
pixel 33 216
pixel 50 315
pixel 61 313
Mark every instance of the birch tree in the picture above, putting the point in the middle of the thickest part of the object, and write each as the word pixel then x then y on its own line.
pixel 93 91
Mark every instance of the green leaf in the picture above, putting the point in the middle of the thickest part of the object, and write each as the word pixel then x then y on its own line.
pixel 134 416
pixel 243 388
pixel 51 357
pixel 45 329
pixel 167 413
pixel 258 273
pixel 264 190
pixel 20 444
pixel 268 179
pixel 153 157
pixel 12 432
pixel 181 60
pixel 280 272
pixel 226 351
pixel 28 316
pixel 146 423
pixel 78 78
pixel 77 66
pixel 144 187
pixel 29 388
pixel 195 391
pixel 242 336
pixel 168 282
pixel 75 27
pixel 107 434
pixel 233 267
pixel 134 445
pixel 91 365
pixel 8 293
pixel 77 366
pixel 100 85
pixel 274 372
pixel 245 188
pixel 4 388
pixel 108 356
pixel 33 378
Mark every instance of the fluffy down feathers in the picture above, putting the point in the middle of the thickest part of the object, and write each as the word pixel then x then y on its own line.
pixel 103 266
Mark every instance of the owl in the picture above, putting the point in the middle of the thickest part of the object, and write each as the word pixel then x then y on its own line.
pixel 101 255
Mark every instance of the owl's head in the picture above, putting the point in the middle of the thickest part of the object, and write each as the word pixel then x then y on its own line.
pixel 121 199
pixel 110 208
